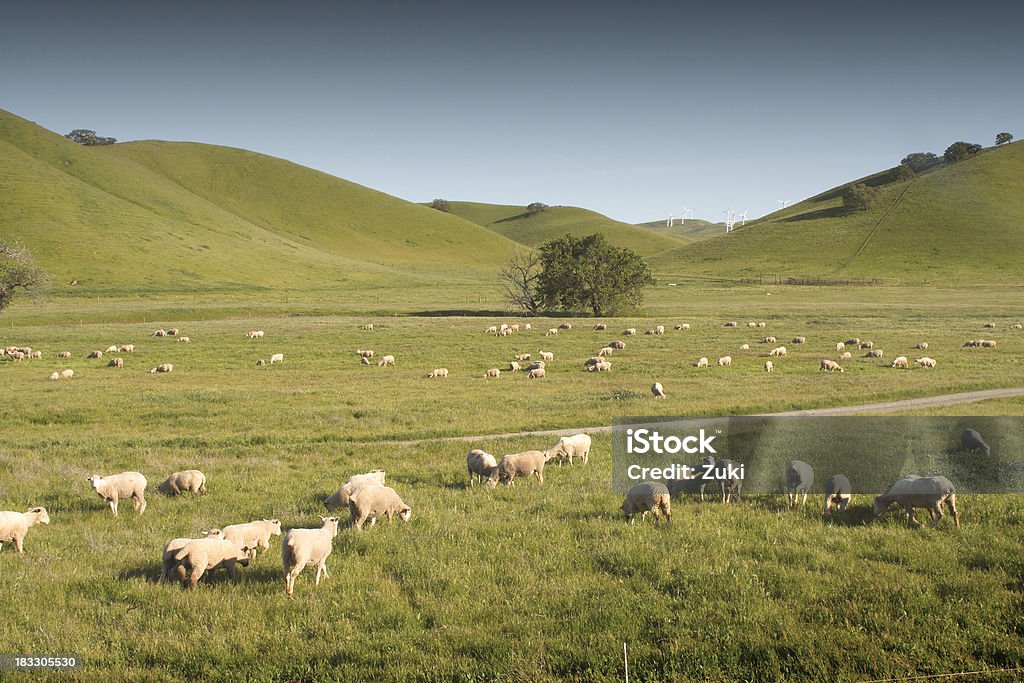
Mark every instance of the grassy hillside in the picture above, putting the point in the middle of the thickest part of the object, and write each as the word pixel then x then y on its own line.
pixel 515 223
pixel 157 216
pixel 959 223
pixel 693 229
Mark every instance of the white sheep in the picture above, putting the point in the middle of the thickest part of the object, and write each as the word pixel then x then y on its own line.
pixel 900 362
pixel 277 358
pixel 702 362
pixel 565 326
pixel 67 373
pixel 386 360
pixel 362 361
pixel 846 356
pixel 163 367
pixel 172 332
pixel 744 347
pixel 193 481
pixel 185 340
pixel 371 502
pixel 988 343
pixel 618 345
pixel 799 340
pixel 926 362
pixel 538 373
pixel 837 492
pixel 513 366
pixel 527 326
pixel 253 535
pixel 111 349
pixel 263 361
pixel 365 353
pixel 840 346
pixel 480 465
pixel 551 332
pixel 522 356
pixel 95 355
pixel 126 348
pixel 304 547
pixel 768 340
pixel 55 375
pixel 601 366
pixel 874 353
pixel 546 356
pixel 35 355
pixel 64 354
pixel 160 333
pixel 514 327
pixel 922 345
pixel 629 331
pixel 113 487
pixel 990 325
pixel 525 464
pixel 600 327
pixel 658 390
pixel 853 341
pixel 537 364
pixel 751 324
pixel 725 361
pixel 731 323
pixel 830 365
pixel 205 555
pixel 683 326
pixel 912 492
pixel 171 548
pixel 116 363
pixel 768 366
pixel 15 525
pixel 1016 326
pixel 492 372
pixel 606 351
pixel 659 329
pixel 254 334
pixel 438 372
pixel 778 351
pixel 648 496
pixel 867 344
pixel 569 447
pixel 368 327
pixel 339 499
pixel 799 478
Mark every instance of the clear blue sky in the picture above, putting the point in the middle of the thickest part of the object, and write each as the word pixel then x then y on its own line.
pixel 630 109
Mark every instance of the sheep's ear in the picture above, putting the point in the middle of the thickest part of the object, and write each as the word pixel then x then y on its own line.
pixel 324 519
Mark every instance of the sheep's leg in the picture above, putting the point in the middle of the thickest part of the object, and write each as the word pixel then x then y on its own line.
pixel 828 506
pixel 140 504
pixel 540 477
pixel 805 499
pixel 843 502
pixel 936 513
pixel 910 517
pixel 951 505
pixel 18 542
pixel 113 505
pixel 232 570
pixel 197 573
pixel 289 581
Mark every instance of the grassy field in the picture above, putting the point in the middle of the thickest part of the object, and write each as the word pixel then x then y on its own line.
pixel 517 584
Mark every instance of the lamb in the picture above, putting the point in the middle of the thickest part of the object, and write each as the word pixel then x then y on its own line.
pixel 618 345
pixel 569 447
pixel 874 353
pixel 368 327
pixel 900 362
pixel 744 347
pixel 505 331
pixel 762 324
pixel 1016 326
pixel 840 346
pixel 731 323
pixel 116 363
pixel 253 535
pixel 95 355
pixel 171 548
pixel 525 464
pixel 751 324
pixel 277 358
pixel 649 496
pixel 385 360
pixel 536 365
pixel 185 340
pixel 163 367
pixel 683 326
pixel 546 356
pixel 481 466
pixel 846 356
pixel 173 332
pixel 514 366
pixel 207 555
pixel 971 441
pixel 55 375
pixel 254 334
pixel 853 341
pixel 603 366
pixel 702 362
pixel 990 325
pixel 725 361
pixel 339 499
pixel 111 349
pixel 522 356
pixel 113 487
pixel 830 365
pixel 837 492
pixel 527 326
pixel 768 340
pixel 606 351
pixel 35 355
pixel 64 354
pixel 659 329
pixel 988 343
pixel 926 362
pixel 371 502
pixel 502 327
pixel 799 478
pixel 493 329
pixel 15 525
pixel 629 331
pixel 565 326
pixel 799 340
pixel 493 372
pixel 658 390
pixel 126 348
pixel 362 361
pixel 867 344
pixel 514 328
pixel 67 373
pixel 304 547
pixel 600 327
pixel 539 373
pixel 160 333
pixel 193 481
pixel 551 332
pixel 778 351
pixel 768 366
pixel 922 345
pixel 912 492
pixel 438 372
pixel 364 353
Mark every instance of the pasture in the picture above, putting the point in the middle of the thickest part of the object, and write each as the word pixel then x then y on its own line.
pixel 514 584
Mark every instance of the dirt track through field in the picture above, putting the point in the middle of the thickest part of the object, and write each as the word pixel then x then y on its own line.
pixel 888 406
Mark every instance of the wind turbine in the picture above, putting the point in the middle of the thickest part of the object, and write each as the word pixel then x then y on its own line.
pixel 668 223
pixel 730 219
pixel 682 218
pixel 743 218
pixel 784 202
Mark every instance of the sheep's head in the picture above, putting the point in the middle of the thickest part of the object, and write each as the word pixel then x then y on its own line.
pixel 882 504
pixel 405 514
pixel 95 480
pixel 213 533
pixel 42 517
pixel 331 524
pixel 275 526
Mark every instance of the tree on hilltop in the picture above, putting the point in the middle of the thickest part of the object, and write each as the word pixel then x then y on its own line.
pixel 441 205
pixel 960 150
pixel 536 207
pixel 918 161
pixel 860 197
pixel 1003 138
pixel 88 138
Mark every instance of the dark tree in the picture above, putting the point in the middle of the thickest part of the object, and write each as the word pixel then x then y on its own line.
pixel 441 205
pixel 519 277
pixel 1003 138
pixel 901 173
pixel 918 161
pixel 959 151
pixel 582 273
pixel 17 270
pixel 536 207
pixel 88 138
pixel 860 197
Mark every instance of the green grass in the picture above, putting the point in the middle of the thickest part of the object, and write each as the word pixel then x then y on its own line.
pixel 691 230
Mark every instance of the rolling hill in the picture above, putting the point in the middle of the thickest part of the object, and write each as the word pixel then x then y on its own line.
pixel 961 223
pixel 162 216
pixel 692 230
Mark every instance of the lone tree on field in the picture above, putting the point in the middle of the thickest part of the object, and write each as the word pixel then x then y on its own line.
pixel 88 138
pixel 17 269
pixel 536 207
pixel 519 277
pixel 1003 138
pixel 441 205
pixel 588 273
pixel 918 161
pixel 860 197
pixel 959 151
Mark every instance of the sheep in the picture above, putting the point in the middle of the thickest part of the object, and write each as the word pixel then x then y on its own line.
pixel 830 365
pixel 514 366
pixel 35 355
pixel 160 333
pixel 988 343
pixel 926 362
pixel 840 346
pixel 254 334
pixel 569 447
pixel 385 360
pixel 867 344
pixel 729 483
pixel 116 363
pixel 648 496
pixel 618 345
pixel 768 340
pixel 912 492
pixel 659 329
pixel 527 326
pixel 364 353
pixel 900 362
pixel 480 465
pixel 990 325
pixel 536 365
pixel 744 347
pixel 702 362
pixel 593 360
pixel 172 547
pixel 493 329
pixel 368 327
pixel 1016 326
pixel 731 323
pixel 799 478
pixel 185 340
pixel 111 349
pixel 514 328
pixel 846 356
pixel 603 366
pixel 629 331
pixel 539 373
pixel 838 492
pixel 922 345
pixel 193 481
pixel 362 361
pixel 853 341
pixel 67 373
pixel 971 343
pixel 15 525
pixel 971 441
pixel 525 464
pixel 493 372
pixel 253 535
pixel 263 361
pixel 371 502
pixel 606 351
pixel 304 547
pixel 768 366
pixel 163 367
pixel 64 354
pixel 551 332
pixel 113 487
pixel 874 353
pixel 95 355
pixel 55 375
pixel 778 351
pixel 565 326
pixel 522 356
pixel 751 324
pixel 505 332
pixel 438 372
pixel 658 390
pixel 206 555
pixel 339 499
pixel 600 327
pixel 547 356
pixel 683 326
pixel 502 327
pixel 277 358
pixel 762 324
pixel 725 361
pixel 799 340
pixel 173 332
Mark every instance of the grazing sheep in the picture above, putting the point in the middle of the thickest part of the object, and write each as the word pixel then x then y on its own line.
pixel 126 348
pixel 364 353
pixel 990 325
pixel 193 481
pixel 481 466
pixel 67 373
pixel 658 390
pixel 55 375
pixel 368 327
pixel 527 326
pixel 522 356
pixel 547 356
pixel 840 346
pixel 339 499
pixel 116 363
pixel 160 333
pixel 163 367
pixel 535 365
pixel 569 447
pixel 768 340
pixel 744 347
pixel 64 354
pixel 371 502
pixel 900 362
pixel 525 464
pixel 729 481
pixel 565 326
pixel 254 334
pixel 503 326
pixel 778 351
pixel 874 353
pixel 304 547
pixel 600 366
pixel 539 373
pixel 111 349
pixel 629 331
pixel 837 492
pixel 95 355
pixel 846 356
pixel 253 535
pixel 799 478
pixel 702 362
pixel 514 366
pixel 551 332
pixel 799 340
pixel 493 372
pixel 683 326
pixel 263 361
pixel 618 345
pixel 362 361
pixel 867 344
pixel 762 324
pixel 438 372
pixel 971 441
pixel 731 323
pixel 277 358
pixel 751 324
pixel 659 329
pixel 725 361
pixel 206 555
pixel 853 341
pixel 912 492
pixel 926 362
pixel 988 343
pixel 600 327
pixel 15 525
pixel 385 360
pixel 1016 326
pixel 606 351
pixel 113 487
pixel 830 365
pixel 514 328
pixel 922 345
pixel 648 496
pixel 171 548
pixel 35 355
pixel 971 343
pixel 173 332
pixel 186 340
pixel 768 366
pixel 493 329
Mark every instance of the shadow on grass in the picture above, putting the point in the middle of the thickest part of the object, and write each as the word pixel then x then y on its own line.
pixel 833 212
